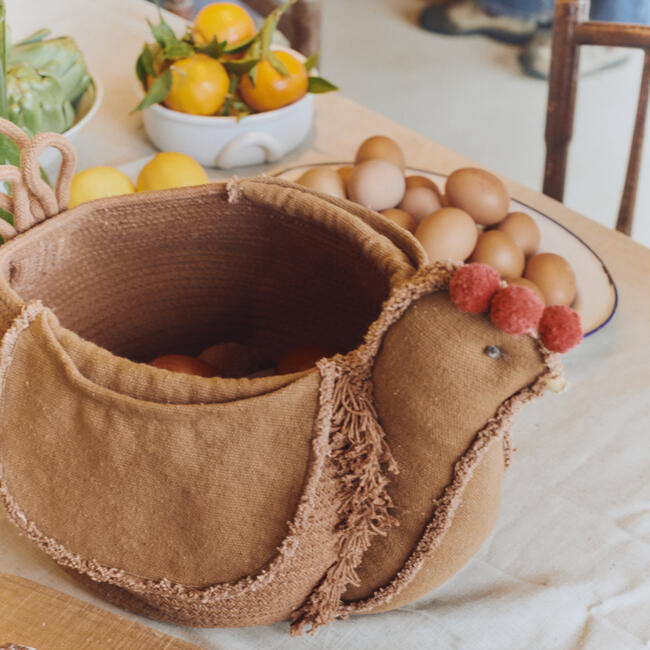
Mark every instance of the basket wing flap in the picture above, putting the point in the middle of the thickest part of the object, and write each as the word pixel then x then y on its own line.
pixel 197 494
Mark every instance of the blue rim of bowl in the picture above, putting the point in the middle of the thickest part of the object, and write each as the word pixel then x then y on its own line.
pixel 530 207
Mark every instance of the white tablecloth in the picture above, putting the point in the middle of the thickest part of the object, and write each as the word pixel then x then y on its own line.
pixel 568 564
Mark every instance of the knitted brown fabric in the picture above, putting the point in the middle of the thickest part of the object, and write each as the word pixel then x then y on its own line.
pixel 356 486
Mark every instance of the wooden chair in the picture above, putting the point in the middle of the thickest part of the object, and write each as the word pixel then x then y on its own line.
pixel 301 24
pixel 572 29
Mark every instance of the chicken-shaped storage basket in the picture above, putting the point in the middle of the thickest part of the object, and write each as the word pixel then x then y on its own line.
pixel 354 487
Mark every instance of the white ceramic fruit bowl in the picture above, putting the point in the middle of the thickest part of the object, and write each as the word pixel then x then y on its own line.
pixel 216 141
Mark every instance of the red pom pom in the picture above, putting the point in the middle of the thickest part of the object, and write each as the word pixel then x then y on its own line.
pixel 560 328
pixel 516 310
pixel 473 286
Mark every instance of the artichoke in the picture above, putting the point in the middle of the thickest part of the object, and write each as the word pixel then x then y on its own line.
pixel 45 77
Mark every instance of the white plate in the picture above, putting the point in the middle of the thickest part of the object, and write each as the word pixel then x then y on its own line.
pixel 597 297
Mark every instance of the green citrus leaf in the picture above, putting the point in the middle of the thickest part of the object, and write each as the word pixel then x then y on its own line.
pixel 252 75
pixel 240 67
pixel 158 90
pixel 278 65
pixel 163 33
pixel 242 46
pixel 178 50
pixel 144 65
pixel 320 85
pixel 270 25
pixel 311 61
pixel 214 49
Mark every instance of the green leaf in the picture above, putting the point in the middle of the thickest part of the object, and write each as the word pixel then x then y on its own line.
pixel 213 48
pixel 270 25
pixel 240 68
pixel 278 65
pixel 163 33
pixel 178 50
pixel 144 65
pixel 232 87
pixel 311 61
pixel 9 152
pixel 252 75
pixel 242 46
pixel 157 92
pixel 36 37
pixel 7 216
pixel 320 85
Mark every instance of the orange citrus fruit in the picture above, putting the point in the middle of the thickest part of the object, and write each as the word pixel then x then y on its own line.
pixel 273 90
pixel 97 183
pixel 225 21
pixel 199 85
pixel 170 169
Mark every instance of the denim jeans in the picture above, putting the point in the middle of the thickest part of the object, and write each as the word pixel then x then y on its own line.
pixel 622 11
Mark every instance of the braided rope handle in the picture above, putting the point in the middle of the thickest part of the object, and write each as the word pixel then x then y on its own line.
pixel 33 200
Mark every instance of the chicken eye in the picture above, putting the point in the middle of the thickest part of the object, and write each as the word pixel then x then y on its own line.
pixel 493 351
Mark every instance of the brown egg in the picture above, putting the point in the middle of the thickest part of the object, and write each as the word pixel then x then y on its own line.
pixel 554 276
pixel 420 202
pixel 376 184
pixel 184 364
pixel 344 172
pixel 300 359
pixel 447 234
pixel 481 194
pixel 522 230
pixel 401 218
pixel 522 282
pixel 422 181
pixel 500 252
pixel 323 179
pixel 380 146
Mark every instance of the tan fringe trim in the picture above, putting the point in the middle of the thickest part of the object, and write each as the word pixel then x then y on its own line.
pixel 233 187
pixel 359 454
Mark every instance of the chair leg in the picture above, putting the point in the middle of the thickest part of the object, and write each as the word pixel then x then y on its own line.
pixel 562 84
pixel 628 201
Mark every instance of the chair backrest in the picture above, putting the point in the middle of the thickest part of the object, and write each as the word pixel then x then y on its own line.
pixel 571 29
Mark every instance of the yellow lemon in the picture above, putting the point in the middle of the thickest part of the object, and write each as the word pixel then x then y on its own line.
pixel 97 183
pixel 225 21
pixel 170 169
pixel 199 85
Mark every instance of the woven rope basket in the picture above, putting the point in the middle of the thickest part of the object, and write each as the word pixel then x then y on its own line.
pixel 354 487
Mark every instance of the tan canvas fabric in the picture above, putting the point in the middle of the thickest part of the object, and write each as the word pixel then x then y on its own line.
pixel 471 525
pixel 234 502
pixel 435 388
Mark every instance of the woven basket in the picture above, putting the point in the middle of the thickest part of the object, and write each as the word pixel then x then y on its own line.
pixel 354 487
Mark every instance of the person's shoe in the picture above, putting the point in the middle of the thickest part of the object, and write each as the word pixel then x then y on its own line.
pixel 535 58
pixel 466 17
